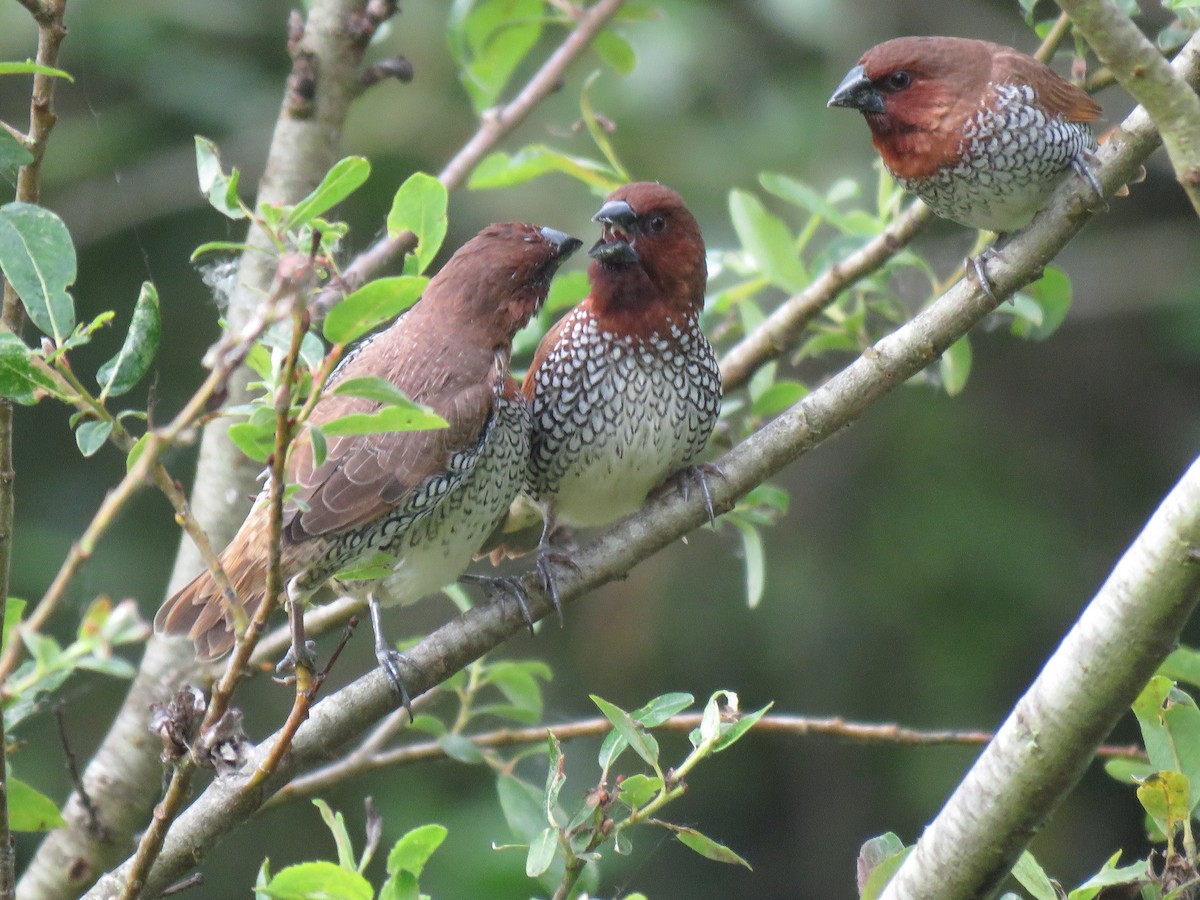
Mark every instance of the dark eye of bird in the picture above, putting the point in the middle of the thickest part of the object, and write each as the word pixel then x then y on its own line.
pixel 898 81
pixel 658 223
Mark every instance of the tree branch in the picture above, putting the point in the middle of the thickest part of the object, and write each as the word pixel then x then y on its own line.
pixel 1086 686
pixel 339 719
pixel 1140 68
pixel 124 776
pixel 837 728
pixel 51 31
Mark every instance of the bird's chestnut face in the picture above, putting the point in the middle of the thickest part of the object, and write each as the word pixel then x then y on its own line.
pixel 646 228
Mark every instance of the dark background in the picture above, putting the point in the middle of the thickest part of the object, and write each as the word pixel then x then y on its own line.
pixel 933 555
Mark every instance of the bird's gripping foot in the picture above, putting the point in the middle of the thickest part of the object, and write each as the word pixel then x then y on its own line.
pixel 501 588
pixel 390 659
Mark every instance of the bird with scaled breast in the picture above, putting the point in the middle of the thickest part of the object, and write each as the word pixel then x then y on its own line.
pixel 625 389
pixel 979 131
pixel 425 500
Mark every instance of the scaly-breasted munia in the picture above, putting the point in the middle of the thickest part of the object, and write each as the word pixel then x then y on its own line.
pixel 624 389
pixel 981 132
pixel 426 500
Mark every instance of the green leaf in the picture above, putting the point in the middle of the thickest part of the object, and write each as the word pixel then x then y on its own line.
pixel 21 380
pixel 955 366
pixel 1110 875
pixel 123 371
pixel 637 790
pixel 14 610
pixel 388 419
pixel 371 305
pixel 29 809
pixel 219 188
pixel 1033 878
pixel 220 247
pixel 336 823
pixel 521 803
pixel 91 435
pixel 881 874
pixel 1166 797
pixel 642 743
pixel 320 445
pixel 29 67
pixel 1183 664
pixel 731 733
pixel 38 259
pixel 370 387
pixel 254 440
pixel 662 708
pixel 343 179
pixel 1051 292
pixel 136 452
pixel 13 154
pixel 500 170
pixel 1182 719
pixel 705 846
pixel 616 52
pixel 412 851
pixel 541 852
pixel 566 290
pixel 755 561
pixel 1148 708
pixel 801 195
pixel 420 207
pixel 319 880
pixel 768 241
pixel 518 681
pixel 460 748
pixel 779 396
pixel 401 886
pixel 488 39
pixel 1127 769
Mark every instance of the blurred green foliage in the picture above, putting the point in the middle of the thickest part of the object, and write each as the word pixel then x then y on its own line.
pixel 927 561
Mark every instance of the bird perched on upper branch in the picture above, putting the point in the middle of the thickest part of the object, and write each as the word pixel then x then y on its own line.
pixel 624 389
pixel 981 132
pixel 426 500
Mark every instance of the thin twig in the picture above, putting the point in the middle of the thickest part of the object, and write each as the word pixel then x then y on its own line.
pixel 797 726
pixel 94 824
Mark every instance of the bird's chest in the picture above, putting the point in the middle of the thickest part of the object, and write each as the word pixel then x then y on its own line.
pixel 430 539
pixel 1010 157
pixel 614 415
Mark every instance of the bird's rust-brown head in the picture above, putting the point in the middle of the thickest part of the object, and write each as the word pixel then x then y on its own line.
pixel 650 255
pixel 497 281
pixel 917 93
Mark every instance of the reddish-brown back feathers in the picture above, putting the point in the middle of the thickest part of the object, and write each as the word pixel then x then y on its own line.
pixel 927 87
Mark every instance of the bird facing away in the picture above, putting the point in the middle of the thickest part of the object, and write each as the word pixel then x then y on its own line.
pixel 981 132
pixel 425 499
pixel 625 389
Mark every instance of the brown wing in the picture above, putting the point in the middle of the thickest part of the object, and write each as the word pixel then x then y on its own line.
pixel 1055 93
pixel 365 476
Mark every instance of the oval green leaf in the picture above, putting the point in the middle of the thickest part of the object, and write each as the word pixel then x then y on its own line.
pixel 20 378
pixel 90 436
pixel 767 240
pixel 346 177
pixel 38 259
pixel 390 418
pixel 371 305
pixel 412 851
pixel 29 809
pixel 420 207
pixel 311 880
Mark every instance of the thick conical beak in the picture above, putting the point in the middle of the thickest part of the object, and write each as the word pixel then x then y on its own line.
pixel 857 92
pixel 615 245
pixel 563 244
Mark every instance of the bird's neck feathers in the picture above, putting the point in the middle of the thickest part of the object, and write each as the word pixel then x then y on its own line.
pixel 921 131
pixel 628 300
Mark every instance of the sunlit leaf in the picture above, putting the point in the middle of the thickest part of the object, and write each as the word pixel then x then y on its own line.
pixel 767 240
pixel 705 845
pixel 642 743
pixel 388 419
pixel 420 207
pixel 1034 878
pixel 541 852
pixel 371 305
pixel 754 559
pixel 346 176
pixel 617 52
pixel 30 809
pixel 21 379
pixel 29 67
pixel 320 880
pixel 219 188
pixel 413 850
pixel 488 39
pixel 501 170
pixel 1166 797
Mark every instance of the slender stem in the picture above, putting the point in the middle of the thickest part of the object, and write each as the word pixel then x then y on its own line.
pixel 49 16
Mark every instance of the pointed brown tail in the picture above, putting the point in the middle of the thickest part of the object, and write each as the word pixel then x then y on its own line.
pixel 198 612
